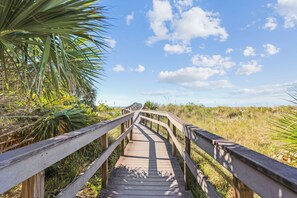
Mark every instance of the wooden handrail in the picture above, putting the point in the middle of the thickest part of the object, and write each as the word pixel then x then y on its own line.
pixel 24 163
pixel 252 171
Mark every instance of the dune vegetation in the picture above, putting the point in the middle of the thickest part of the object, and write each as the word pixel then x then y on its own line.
pixel 267 130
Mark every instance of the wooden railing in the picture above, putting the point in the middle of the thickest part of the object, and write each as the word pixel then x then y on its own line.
pixel 27 164
pixel 252 171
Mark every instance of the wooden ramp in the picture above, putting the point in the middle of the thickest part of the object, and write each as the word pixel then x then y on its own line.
pixel 147 169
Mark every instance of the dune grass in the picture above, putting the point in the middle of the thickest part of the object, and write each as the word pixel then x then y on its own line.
pixel 252 127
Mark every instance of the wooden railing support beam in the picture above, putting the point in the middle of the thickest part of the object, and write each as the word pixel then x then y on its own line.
pixel 151 124
pixel 104 167
pixel 168 135
pixel 174 149
pixel 187 171
pixel 241 190
pixel 131 133
pixel 158 126
pixel 123 142
pixel 34 186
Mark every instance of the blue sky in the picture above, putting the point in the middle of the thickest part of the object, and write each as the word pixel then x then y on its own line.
pixel 234 53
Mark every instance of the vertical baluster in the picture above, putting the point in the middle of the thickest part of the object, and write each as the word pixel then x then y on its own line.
pixel 131 133
pixel 34 186
pixel 241 190
pixel 158 127
pixel 187 171
pixel 123 142
pixel 104 167
pixel 168 123
pixel 151 125
pixel 174 149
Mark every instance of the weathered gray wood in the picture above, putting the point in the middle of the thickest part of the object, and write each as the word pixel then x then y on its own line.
pixel 123 142
pixel 174 149
pixel 148 196
pixel 204 183
pixel 186 168
pixel 173 119
pixel 168 135
pixel 41 155
pixel 255 170
pixel 104 167
pixel 79 182
pixel 151 124
pixel 158 126
pixel 147 169
pixel 131 133
pixel 243 162
pixel 241 190
pixel 174 140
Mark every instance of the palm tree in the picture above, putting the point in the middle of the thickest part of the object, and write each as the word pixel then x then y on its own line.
pixel 50 45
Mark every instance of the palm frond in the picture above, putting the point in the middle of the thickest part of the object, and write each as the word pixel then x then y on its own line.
pixel 54 44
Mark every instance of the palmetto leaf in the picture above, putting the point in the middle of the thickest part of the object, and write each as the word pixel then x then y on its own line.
pixel 286 128
pixel 58 122
pixel 54 44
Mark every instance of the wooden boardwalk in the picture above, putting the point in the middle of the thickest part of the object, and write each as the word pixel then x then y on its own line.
pixel 147 169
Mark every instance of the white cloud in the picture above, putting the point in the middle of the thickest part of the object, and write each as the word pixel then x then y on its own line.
pixel 249 51
pixel 140 68
pixel 110 42
pixel 188 74
pixel 249 68
pixel 272 89
pixel 270 23
pixel 185 25
pixel 212 61
pixel 208 84
pixel 271 49
pixel 177 48
pixel 288 10
pixel 161 13
pixel 229 50
pixel 194 77
pixel 118 68
pixel 196 23
pixel 166 93
pixel 129 18
pixel 183 4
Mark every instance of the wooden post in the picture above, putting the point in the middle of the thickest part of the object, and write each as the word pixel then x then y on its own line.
pixel 158 127
pixel 131 133
pixel 186 168
pixel 168 123
pixel 174 149
pixel 34 186
pixel 151 126
pixel 146 115
pixel 104 167
pixel 241 190
pixel 123 142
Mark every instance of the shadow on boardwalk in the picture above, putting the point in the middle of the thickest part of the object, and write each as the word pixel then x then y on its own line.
pixel 147 169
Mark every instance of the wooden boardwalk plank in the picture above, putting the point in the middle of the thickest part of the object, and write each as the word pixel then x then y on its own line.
pixel 147 169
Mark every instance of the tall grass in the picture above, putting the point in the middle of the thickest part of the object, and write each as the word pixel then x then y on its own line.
pixel 252 127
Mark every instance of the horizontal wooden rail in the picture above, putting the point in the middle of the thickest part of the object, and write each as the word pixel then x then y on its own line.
pixel 175 141
pixel 207 187
pixel 256 172
pixel 79 182
pixel 18 165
